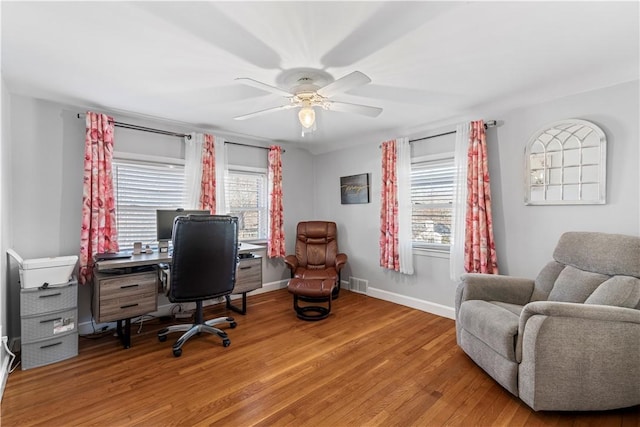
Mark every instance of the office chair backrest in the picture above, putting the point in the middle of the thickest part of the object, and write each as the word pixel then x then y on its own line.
pixel 316 244
pixel 205 256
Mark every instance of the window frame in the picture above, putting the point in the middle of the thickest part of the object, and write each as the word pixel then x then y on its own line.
pixel 437 249
pixel 264 198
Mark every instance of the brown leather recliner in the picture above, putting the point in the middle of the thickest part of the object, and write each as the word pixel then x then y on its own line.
pixel 317 254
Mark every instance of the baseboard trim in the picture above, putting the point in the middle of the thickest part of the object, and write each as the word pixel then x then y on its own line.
pixel 418 304
pixel 86 328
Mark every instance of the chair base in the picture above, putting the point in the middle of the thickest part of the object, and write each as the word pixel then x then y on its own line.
pixel 304 313
pixel 314 291
pixel 197 328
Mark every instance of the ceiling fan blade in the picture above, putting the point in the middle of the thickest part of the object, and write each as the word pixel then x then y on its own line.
pixel 343 84
pixel 261 112
pixel 345 107
pixel 254 83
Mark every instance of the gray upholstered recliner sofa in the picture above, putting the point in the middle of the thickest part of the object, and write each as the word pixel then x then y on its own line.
pixel 568 340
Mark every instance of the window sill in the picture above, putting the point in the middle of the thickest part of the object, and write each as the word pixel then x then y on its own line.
pixel 257 242
pixel 432 252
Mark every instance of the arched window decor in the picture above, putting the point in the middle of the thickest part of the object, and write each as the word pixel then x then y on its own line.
pixel 565 164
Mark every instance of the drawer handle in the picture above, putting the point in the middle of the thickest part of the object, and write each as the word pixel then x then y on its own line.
pixel 51 345
pixel 129 306
pixel 129 286
pixel 51 320
pixel 50 295
pixel 245 268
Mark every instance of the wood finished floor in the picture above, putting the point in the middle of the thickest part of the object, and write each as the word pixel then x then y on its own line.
pixel 371 363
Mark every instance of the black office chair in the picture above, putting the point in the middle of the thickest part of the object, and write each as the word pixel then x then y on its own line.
pixel 204 261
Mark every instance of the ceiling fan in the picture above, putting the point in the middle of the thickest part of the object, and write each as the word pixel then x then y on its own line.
pixel 307 94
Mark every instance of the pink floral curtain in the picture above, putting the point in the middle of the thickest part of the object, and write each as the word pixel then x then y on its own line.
pixel 389 253
pixel 208 182
pixel 98 233
pixel 275 247
pixel 479 246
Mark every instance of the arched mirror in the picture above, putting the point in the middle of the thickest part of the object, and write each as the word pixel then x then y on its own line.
pixel 566 164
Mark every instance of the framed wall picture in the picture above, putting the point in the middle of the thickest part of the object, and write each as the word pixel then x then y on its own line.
pixel 354 189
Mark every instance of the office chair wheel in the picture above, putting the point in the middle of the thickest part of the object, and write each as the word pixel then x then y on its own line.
pixel 177 352
pixel 226 342
pixel 162 338
pixel 233 325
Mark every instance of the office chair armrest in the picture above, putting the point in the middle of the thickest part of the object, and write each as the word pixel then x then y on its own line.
pixel 341 260
pixel 291 261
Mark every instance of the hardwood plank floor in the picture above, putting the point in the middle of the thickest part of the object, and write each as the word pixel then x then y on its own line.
pixel 371 363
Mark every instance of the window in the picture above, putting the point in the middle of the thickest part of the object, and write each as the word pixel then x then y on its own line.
pixel 140 188
pixel 431 199
pixel 246 197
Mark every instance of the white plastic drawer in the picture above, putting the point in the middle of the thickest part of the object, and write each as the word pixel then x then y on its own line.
pixel 39 301
pixel 48 325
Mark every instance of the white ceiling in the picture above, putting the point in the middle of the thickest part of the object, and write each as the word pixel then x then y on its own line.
pixel 431 63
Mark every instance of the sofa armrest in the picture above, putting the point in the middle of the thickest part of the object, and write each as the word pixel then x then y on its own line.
pixel 341 260
pixel 587 354
pixel 556 309
pixel 491 287
pixel 607 313
pixel 292 262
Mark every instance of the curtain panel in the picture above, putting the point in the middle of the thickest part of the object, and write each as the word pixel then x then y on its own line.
pixel 480 253
pixel 405 233
pixel 221 175
pixel 389 254
pixel 193 170
pixel 208 182
pixel 275 245
pixel 459 205
pixel 98 233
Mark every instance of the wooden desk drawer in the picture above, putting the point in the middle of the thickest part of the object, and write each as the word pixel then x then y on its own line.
pixel 128 285
pixel 124 296
pixel 125 308
pixel 249 275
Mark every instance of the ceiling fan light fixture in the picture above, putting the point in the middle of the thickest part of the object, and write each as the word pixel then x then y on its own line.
pixel 307 117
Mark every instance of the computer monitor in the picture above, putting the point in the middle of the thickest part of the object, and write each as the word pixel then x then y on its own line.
pixel 165 218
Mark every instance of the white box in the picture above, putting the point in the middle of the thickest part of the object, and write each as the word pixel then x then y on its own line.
pixel 37 271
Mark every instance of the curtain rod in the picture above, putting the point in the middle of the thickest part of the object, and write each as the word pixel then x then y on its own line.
pixel 249 145
pixel 169 133
pixel 144 129
pixel 489 124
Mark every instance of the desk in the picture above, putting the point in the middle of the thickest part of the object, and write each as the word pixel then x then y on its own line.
pixel 128 287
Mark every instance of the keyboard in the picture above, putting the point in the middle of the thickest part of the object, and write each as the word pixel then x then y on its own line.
pixel 111 255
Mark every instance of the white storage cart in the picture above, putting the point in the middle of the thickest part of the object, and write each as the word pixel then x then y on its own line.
pixel 48 309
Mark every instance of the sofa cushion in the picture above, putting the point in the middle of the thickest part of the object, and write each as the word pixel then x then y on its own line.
pixel 575 285
pixel 545 280
pixel 514 308
pixel 621 291
pixel 491 323
pixel 603 253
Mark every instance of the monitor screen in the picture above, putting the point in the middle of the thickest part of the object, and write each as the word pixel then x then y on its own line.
pixel 165 218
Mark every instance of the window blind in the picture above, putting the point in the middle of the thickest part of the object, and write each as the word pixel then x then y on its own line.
pixel 140 189
pixel 431 200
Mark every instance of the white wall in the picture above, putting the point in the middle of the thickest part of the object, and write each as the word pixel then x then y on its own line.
pixel 525 235
pixel 5 230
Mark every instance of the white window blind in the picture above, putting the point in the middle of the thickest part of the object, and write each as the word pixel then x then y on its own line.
pixel 431 199
pixel 140 189
pixel 246 197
